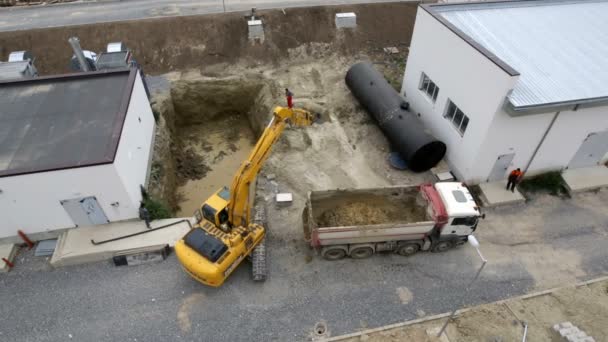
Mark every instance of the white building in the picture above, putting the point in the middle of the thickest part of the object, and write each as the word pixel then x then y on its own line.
pixel 512 84
pixel 74 150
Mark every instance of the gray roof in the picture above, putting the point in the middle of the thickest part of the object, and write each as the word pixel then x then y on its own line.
pixel 51 123
pixel 559 48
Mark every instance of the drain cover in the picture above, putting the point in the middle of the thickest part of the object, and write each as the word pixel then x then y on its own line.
pixel 320 329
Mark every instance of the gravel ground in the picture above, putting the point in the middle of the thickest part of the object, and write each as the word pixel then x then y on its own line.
pixel 159 302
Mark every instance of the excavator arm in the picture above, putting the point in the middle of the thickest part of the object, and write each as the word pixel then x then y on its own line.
pixel 239 204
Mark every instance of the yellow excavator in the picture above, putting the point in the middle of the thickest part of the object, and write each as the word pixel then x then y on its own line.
pixel 225 233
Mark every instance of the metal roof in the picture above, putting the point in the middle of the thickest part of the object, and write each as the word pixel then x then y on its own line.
pixel 50 123
pixel 558 47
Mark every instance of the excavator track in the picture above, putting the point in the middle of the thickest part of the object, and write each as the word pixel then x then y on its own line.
pixel 258 255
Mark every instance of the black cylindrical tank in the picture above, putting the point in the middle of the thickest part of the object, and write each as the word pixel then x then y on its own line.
pixel 420 150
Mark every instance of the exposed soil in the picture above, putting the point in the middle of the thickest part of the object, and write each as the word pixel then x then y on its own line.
pixel 208 114
pixel 222 146
pixel 371 210
pixel 199 41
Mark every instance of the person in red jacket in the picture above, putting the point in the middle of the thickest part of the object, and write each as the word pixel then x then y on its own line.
pixel 289 96
pixel 513 179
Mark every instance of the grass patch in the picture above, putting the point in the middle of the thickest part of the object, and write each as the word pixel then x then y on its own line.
pixel 157 209
pixel 550 182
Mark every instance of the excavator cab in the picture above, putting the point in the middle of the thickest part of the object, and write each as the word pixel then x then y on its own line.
pixel 215 210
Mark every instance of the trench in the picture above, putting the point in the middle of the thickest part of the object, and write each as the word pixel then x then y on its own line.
pixel 208 128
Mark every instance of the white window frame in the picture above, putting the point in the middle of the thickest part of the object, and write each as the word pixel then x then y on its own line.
pixel 428 87
pixel 457 117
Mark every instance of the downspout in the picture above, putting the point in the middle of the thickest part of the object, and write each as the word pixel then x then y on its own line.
pixel 542 140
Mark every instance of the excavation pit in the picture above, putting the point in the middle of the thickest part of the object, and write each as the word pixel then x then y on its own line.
pixel 212 125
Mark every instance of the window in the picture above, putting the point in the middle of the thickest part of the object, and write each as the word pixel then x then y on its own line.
pixel 457 117
pixel 429 87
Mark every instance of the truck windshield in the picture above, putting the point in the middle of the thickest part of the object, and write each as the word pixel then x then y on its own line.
pixel 465 221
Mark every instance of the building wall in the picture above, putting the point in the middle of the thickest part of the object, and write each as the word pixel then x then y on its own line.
pixel 32 202
pixel 132 159
pixel 520 135
pixel 465 76
pixel 566 136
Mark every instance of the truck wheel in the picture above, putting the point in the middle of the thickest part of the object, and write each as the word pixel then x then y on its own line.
pixel 361 252
pixel 442 246
pixel 333 253
pixel 408 249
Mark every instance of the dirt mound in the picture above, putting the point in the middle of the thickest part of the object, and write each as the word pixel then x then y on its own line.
pixel 370 210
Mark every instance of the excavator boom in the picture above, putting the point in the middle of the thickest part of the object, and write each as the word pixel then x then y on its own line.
pixel 239 206
pixel 225 234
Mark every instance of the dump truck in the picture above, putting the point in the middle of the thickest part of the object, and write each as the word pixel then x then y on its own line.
pixel 400 219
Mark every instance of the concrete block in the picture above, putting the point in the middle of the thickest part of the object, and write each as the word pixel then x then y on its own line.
pixel 346 20
pixel 284 198
pixel 391 50
pixel 578 337
pixel 585 179
pixel 74 247
pixel 563 325
pixel 7 251
pixel 565 332
pixel 256 29
pixel 495 194
pixel 445 177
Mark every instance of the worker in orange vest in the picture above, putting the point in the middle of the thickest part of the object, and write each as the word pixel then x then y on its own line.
pixel 289 96
pixel 513 179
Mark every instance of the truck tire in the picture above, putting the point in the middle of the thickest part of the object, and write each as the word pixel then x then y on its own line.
pixel 442 246
pixel 333 253
pixel 408 249
pixel 361 252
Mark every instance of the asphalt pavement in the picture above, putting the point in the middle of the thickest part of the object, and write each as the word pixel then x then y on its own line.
pixel 101 302
pixel 78 13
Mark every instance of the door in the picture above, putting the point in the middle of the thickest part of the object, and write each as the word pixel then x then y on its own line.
pixel 593 148
pixel 85 211
pixel 499 171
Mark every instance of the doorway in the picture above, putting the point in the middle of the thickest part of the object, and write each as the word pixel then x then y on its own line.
pixel 501 166
pixel 593 148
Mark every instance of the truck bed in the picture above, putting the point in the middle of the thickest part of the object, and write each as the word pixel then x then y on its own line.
pixel 343 208
pixel 365 216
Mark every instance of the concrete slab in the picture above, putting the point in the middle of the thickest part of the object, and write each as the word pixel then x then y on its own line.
pixel 7 251
pixel 496 194
pixel 584 179
pixel 74 246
